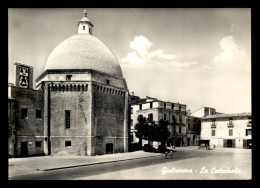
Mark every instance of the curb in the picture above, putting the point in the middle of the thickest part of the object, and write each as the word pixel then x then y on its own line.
pixel 74 166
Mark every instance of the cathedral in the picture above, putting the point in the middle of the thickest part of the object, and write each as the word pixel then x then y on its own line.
pixel 80 104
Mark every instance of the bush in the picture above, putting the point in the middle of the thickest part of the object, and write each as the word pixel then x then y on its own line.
pixel 134 147
pixel 162 149
pixel 149 148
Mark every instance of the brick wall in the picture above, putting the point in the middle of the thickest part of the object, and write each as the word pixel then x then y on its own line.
pixel 11 123
pixel 109 107
pixel 78 101
pixel 30 128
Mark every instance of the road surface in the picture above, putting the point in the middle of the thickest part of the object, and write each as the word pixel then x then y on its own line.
pixel 103 171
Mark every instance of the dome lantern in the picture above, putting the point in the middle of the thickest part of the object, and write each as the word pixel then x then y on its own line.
pixel 83 51
pixel 84 24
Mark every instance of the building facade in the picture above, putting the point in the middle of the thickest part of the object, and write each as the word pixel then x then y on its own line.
pixel 228 130
pixel 155 110
pixel 11 124
pixel 82 96
pixel 25 112
pixel 193 130
pixel 204 111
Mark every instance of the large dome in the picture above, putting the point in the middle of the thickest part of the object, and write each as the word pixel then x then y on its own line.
pixel 84 51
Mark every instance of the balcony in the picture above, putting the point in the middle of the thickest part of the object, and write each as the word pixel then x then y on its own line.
pixel 249 124
pixel 213 125
pixel 192 131
pixel 230 124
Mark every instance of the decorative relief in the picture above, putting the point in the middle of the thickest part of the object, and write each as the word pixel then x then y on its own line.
pixel 69 87
pixel 108 90
pixel 24 77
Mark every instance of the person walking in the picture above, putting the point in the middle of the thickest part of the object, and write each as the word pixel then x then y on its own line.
pixel 173 147
pixel 166 153
pixel 171 152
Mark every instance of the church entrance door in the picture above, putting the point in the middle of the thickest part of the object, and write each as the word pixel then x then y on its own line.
pixel 24 149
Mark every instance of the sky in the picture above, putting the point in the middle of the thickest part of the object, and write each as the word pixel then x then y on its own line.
pixel 194 56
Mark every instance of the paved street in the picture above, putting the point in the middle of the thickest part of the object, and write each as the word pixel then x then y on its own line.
pixel 202 164
pixel 188 163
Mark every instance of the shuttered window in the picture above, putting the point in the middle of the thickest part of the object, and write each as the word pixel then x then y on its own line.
pixel 230 132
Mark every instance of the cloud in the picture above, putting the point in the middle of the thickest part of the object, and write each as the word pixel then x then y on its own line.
pixel 205 66
pixel 182 65
pixel 229 50
pixel 231 56
pixel 142 55
pixel 159 53
pixel 141 44
pixel 132 58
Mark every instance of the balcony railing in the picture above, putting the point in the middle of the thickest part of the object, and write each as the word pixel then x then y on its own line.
pixel 213 125
pixel 230 124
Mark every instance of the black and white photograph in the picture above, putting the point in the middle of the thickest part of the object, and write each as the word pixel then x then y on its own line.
pixel 129 94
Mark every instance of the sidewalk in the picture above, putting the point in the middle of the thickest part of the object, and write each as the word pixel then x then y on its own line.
pixel 30 165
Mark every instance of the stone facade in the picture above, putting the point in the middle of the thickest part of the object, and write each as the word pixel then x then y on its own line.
pixel 193 130
pixel 98 106
pixel 228 130
pixel 77 101
pixel 11 127
pixel 109 110
pixel 28 127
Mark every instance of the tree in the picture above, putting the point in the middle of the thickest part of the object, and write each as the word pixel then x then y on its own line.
pixel 161 132
pixel 149 130
pixel 141 128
